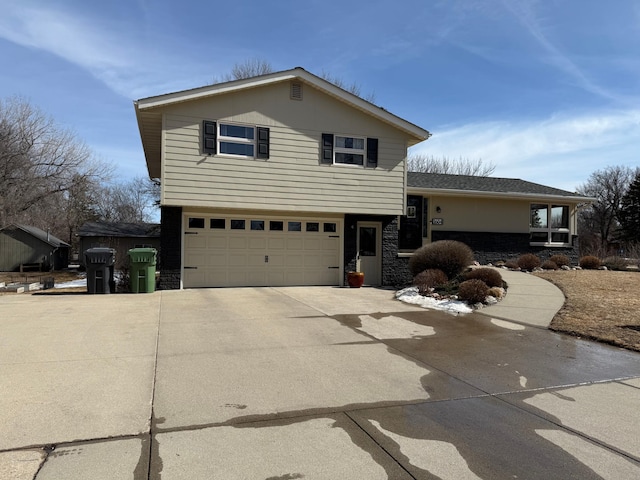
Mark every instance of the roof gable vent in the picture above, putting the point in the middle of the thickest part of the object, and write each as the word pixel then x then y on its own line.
pixel 296 91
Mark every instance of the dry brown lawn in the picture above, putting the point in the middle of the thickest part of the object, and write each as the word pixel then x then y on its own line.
pixel 600 305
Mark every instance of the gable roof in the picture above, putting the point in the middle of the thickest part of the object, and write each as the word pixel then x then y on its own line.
pixel 41 235
pixel 487 186
pixel 150 120
pixel 119 229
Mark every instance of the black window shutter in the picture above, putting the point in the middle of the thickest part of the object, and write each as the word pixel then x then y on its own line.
pixel 209 137
pixel 327 148
pixel 263 143
pixel 372 152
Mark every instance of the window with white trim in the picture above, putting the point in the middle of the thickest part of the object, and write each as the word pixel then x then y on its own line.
pixel 246 141
pixel 348 150
pixel 549 224
pixel 236 140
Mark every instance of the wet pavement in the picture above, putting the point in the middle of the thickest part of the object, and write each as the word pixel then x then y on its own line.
pixel 292 383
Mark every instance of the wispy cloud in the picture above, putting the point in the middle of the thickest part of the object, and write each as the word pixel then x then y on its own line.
pixel 110 51
pixel 560 151
pixel 525 12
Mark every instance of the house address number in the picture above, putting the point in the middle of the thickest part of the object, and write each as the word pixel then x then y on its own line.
pixel 437 221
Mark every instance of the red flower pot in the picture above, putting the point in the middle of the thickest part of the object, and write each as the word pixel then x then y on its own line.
pixel 355 279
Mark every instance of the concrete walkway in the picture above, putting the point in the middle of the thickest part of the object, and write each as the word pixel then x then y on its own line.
pixel 530 300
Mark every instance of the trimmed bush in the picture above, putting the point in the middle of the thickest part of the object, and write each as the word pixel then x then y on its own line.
pixel 528 262
pixel 549 265
pixel 589 262
pixel 616 263
pixel 473 291
pixel 429 279
pixel 489 276
pixel 512 264
pixel 450 256
pixel 560 260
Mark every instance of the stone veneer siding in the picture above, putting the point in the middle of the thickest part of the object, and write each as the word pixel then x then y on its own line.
pixel 170 248
pixel 395 271
pixel 489 247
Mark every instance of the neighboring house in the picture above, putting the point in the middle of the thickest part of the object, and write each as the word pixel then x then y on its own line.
pixel 23 247
pixel 120 236
pixel 499 218
pixel 286 179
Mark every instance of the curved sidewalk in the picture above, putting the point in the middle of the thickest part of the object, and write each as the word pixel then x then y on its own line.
pixel 529 300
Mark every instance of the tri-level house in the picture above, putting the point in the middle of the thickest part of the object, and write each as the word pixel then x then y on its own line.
pixel 287 179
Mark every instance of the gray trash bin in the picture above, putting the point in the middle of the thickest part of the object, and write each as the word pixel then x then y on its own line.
pixel 99 263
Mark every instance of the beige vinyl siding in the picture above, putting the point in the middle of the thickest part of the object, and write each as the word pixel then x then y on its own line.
pixel 293 177
pixel 480 214
pixel 469 214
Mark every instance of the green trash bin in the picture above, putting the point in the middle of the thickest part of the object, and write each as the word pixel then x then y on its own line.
pixel 142 274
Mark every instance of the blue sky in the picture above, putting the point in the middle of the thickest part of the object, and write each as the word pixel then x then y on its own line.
pixel 548 91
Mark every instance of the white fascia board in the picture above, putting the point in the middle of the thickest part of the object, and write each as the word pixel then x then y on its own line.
pixel 500 195
pixel 211 90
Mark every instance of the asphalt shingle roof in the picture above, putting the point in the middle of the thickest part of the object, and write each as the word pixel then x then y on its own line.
pixel 441 181
pixel 104 229
pixel 44 236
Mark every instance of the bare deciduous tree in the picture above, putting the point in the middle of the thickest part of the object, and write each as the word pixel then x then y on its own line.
pixel 39 160
pixel 599 223
pixel 250 68
pixel 133 201
pixel 353 87
pixel 462 166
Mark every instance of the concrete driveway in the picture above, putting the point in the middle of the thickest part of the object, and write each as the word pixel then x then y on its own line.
pixel 292 383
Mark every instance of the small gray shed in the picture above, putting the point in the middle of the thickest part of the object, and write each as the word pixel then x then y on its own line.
pixel 24 247
pixel 120 236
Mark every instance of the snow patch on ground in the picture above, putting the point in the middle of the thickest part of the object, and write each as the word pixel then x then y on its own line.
pixel 411 295
pixel 79 283
pixel 393 327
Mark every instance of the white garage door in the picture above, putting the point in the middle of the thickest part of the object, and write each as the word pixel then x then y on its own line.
pixel 236 251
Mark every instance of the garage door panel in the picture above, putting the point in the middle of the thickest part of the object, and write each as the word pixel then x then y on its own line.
pixel 237 242
pixel 217 242
pixel 256 259
pixel 237 260
pixel 259 243
pixel 277 244
pixel 277 260
pixel 312 244
pixel 195 241
pixel 227 257
pixel 217 260
pixel 295 244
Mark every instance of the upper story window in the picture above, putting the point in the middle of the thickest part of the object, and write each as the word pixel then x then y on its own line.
pixel 347 150
pixel 237 140
pixel 549 224
pixel 246 141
